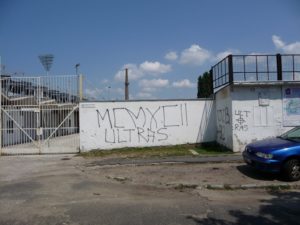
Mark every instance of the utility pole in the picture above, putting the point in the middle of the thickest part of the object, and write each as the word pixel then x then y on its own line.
pixel 126 85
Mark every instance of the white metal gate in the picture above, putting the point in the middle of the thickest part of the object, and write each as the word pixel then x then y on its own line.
pixel 39 114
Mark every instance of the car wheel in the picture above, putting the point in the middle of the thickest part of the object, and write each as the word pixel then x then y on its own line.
pixel 291 170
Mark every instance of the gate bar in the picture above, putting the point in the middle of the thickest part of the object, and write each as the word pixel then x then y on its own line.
pixel 33 141
pixel 76 107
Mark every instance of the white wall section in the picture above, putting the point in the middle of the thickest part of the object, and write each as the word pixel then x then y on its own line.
pixel 257 113
pixel 224 117
pixel 108 125
pixel 239 115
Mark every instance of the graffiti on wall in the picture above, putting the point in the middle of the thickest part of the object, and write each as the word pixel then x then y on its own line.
pixel 223 120
pixel 221 132
pixel 141 124
pixel 223 116
pixel 241 120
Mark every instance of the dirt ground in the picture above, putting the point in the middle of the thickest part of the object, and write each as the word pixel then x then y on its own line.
pixel 64 189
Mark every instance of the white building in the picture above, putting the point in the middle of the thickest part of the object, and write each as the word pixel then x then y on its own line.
pixel 257 96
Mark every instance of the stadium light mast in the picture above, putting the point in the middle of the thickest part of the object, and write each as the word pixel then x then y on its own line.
pixel 76 68
pixel 46 61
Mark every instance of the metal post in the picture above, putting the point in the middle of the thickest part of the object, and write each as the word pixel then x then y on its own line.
pixel 212 80
pixel 279 67
pixel 230 69
pixel 38 115
pixel 126 85
pixel 80 88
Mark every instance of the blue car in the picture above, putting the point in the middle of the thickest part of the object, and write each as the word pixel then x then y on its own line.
pixel 276 155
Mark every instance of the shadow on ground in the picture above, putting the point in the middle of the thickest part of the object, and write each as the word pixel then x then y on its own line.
pixel 283 208
pixel 258 175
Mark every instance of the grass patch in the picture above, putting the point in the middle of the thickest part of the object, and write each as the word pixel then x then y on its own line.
pixel 227 187
pixel 159 151
pixel 140 152
pixel 182 187
pixel 211 148
pixel 274 188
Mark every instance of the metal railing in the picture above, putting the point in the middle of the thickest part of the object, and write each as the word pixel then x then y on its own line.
pixel 40 90
pixel 256 68
pixel 220 72
pixel 36 112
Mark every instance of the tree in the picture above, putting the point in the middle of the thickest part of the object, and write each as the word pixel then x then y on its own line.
pixel 205 87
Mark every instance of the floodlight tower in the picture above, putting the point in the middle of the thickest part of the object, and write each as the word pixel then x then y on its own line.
pixel 76 68
pixel 46 61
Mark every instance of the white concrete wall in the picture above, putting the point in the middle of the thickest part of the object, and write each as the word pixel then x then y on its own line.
pixel 108 125
pixel 257 113
pixel 239 115
pixel 224 117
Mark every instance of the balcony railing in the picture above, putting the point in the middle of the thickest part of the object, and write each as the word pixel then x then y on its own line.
pixel 256 68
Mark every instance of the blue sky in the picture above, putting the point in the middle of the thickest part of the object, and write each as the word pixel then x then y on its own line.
pixel 166 44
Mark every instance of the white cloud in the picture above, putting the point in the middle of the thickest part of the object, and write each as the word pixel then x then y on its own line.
pixel 144 95
pixel 251 59
pixel 93 93
pixel 155 67
pixel 185 83
pixel 149 89
pixel 222 55
pixel 105 81
pixel 138 71
pixel 134 72
pixel 115 93
pixel 258 53
pixel 172 56
pixel 195 55
pixel 154 83
pixel 118 91
pixel 293 48
pixel 277 42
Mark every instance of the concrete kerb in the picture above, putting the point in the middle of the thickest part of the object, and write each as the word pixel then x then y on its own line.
pixel 274 186
pixel 169 160
pixel 232 187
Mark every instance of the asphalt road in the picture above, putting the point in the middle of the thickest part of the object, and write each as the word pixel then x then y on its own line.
pixel 72 190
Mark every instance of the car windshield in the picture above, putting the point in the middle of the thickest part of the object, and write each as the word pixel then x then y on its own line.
pixel 292 135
